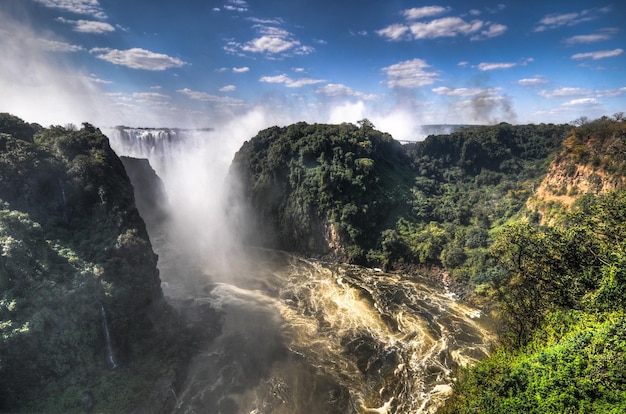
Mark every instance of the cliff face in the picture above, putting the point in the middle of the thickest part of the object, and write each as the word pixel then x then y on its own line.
pixel 322 189
pixel 78 278
pixel 149 191
pixel 591 161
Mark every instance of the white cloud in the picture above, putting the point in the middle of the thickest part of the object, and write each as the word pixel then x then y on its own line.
pixel 610 93
pixel 241 70
pixel 236 5
pixel 553 21
pixel 341 90
pixel 273 41
pixel 275 79
pixel 463 64
pixel 534 81
pixel 395 31
pixel 484 66
pixel 88 26
pixel 582 101
pixel 228 88
pixel 270 44
pixel 93 78
pixel 492 30
pixel 445 27
pixel 206 97
pixel 604 34
pixel 464 92
pixel 57 46
pixel 336 89
pixel 137 58
pixel 442 27
pixel 409 74
pixel 564 92
pixel 85 7
pixel 599 54
pixel 420 12
pixel 556 20
pixel 290 83
pixel 569 92
pixel 150 96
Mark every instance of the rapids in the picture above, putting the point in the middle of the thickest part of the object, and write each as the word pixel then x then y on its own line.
pixel 302 336
pixel 294 335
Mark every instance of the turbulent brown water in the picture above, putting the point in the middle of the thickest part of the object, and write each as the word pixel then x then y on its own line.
pixel 294 335
pixel 301 336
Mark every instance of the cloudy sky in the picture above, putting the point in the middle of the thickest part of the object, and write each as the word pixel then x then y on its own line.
pixel 399 63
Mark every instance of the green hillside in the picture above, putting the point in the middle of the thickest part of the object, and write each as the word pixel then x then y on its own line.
pixel 79 288
pixel 355 193
pixel 478 206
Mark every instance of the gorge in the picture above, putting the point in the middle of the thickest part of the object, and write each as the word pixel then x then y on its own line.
pixel 299 335
pixel 322 268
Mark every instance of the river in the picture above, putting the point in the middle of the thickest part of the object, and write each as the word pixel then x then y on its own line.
pixel 302 336
pixel 295 335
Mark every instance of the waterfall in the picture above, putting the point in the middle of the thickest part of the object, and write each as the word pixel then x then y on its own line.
pixel 162 147
pixel 64 201
pixel 111 361
pixel 193 165
pixel 295 336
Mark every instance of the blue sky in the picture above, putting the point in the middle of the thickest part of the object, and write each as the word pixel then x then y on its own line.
pixel 399 63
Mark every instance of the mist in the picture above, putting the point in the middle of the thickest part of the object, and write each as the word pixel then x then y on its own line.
pixel 46 81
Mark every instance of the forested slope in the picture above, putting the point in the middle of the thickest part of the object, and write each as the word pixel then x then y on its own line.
pixel 356 193
pixel 83 323
pixel 323 189
pixel 532 218
pixel 561 297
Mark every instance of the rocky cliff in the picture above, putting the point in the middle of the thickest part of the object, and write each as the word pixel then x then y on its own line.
pixel 322 189
pixel 81 308
pixel 592 161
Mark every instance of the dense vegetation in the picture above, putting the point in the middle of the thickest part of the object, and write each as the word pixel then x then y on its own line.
pixel 72 250
pixel 432 203
pixel 313 187
pixel 474 203
pixel 561 297
pixel 562 301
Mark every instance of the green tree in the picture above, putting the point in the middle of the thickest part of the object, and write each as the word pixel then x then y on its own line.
pixel 542 273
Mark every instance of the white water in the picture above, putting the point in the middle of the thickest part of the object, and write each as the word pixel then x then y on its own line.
pixel 301 336
pixel 297 336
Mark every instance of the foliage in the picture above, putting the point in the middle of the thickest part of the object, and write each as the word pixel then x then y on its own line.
pixel 17 128
pixel 305 181
pixel 576 365
pixel 71 242
pixel 392 204
pixel 562 298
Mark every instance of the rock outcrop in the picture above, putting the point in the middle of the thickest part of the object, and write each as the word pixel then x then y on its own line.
pixel 591 161
pixel 322 189
pixel 73 248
